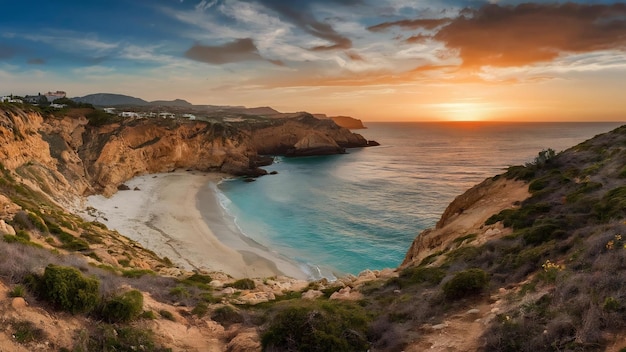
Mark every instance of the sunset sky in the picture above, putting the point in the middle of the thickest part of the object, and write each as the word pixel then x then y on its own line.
pixel 378 60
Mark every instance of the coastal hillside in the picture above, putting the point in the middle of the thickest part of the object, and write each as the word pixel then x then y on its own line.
pixel 532 259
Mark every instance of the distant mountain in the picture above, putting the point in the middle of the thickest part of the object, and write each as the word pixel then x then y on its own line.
pixel 176 102
pixel 108 99
pixel 262 111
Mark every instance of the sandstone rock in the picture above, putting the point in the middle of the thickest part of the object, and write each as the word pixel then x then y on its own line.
pixel 346 294
pixel 367 274
pixel 216 284
pixel 256 297
pixel 312 294
pixel 473 311
pixel 6 229
pixel 492 232
pixel 245 341
pixel 18 303
pixel 228 291
pixel 387 273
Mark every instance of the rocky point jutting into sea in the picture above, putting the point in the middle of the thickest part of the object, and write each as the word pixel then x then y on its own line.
pixel 530 260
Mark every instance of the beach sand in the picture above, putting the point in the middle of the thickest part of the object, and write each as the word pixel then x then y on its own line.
pixel 161 212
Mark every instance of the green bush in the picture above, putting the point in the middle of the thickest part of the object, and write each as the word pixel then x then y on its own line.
pixel 180 292
pixel 198 280
pixel 105 337
pixel 418 275
pixel 123 308
pixel 17 291
pixel 68 289
pixel 167 314
pixel 611 304
pixel 520 218
pixel 466 283
pixel 317 326
pixel 243 284
pixel 612 205
pixel 137 273
pixel 200 309
pixel 519 172
pixel 227 315
pixel 148 314
pixel 26 331
pixel 542 231
pixel 100 118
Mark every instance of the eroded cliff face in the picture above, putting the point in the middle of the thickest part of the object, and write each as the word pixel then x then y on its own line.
pixel 116 153
pixel 43 153
pixel 466 215
pixel 283 134
pixel 67 157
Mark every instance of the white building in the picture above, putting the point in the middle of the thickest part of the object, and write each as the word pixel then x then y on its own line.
pixel 7 99
pixel 57 106
pixel 109 110
pixel 190 116
pixel 129 114
pixel 166 115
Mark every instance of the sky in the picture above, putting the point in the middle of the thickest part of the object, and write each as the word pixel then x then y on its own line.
pixel 377 60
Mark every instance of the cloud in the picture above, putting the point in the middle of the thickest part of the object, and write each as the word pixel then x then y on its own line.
pixel 411 24
pixel 235 51
pixel 505 36
pixel 354 56
pixel 418 39
pixel 36 61
pixel 303 18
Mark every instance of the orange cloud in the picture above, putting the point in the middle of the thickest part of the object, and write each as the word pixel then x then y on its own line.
pixel 530 33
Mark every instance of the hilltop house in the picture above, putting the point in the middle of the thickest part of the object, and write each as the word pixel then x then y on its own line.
pixel 166 115
pixel 129 114
pixel 10 99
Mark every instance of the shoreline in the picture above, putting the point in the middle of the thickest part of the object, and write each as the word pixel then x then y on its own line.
pixel 178 215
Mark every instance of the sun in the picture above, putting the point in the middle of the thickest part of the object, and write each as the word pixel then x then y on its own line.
pixel 463 111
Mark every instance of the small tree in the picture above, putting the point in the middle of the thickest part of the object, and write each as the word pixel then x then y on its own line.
pixel 466 283
pixel 68 289
pixel 123 308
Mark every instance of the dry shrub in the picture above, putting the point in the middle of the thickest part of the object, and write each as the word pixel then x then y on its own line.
pixel 387 336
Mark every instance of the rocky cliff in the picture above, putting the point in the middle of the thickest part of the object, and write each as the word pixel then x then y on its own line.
pixel 67 154
pixel 348 122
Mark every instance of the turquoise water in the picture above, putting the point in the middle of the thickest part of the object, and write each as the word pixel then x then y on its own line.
pixel 346 213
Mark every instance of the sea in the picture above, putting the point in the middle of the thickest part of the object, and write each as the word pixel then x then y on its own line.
pixel 342 214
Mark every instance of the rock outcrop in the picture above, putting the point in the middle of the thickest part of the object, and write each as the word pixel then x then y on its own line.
pixel 466 215
pixel 315 143
pixel 348 122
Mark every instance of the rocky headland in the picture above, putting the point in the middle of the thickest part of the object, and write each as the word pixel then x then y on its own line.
pixel 530 260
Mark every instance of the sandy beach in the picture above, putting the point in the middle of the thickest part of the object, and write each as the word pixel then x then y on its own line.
pixel 161 212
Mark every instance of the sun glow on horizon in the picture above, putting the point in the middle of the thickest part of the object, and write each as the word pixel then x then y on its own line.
pixel 461 112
